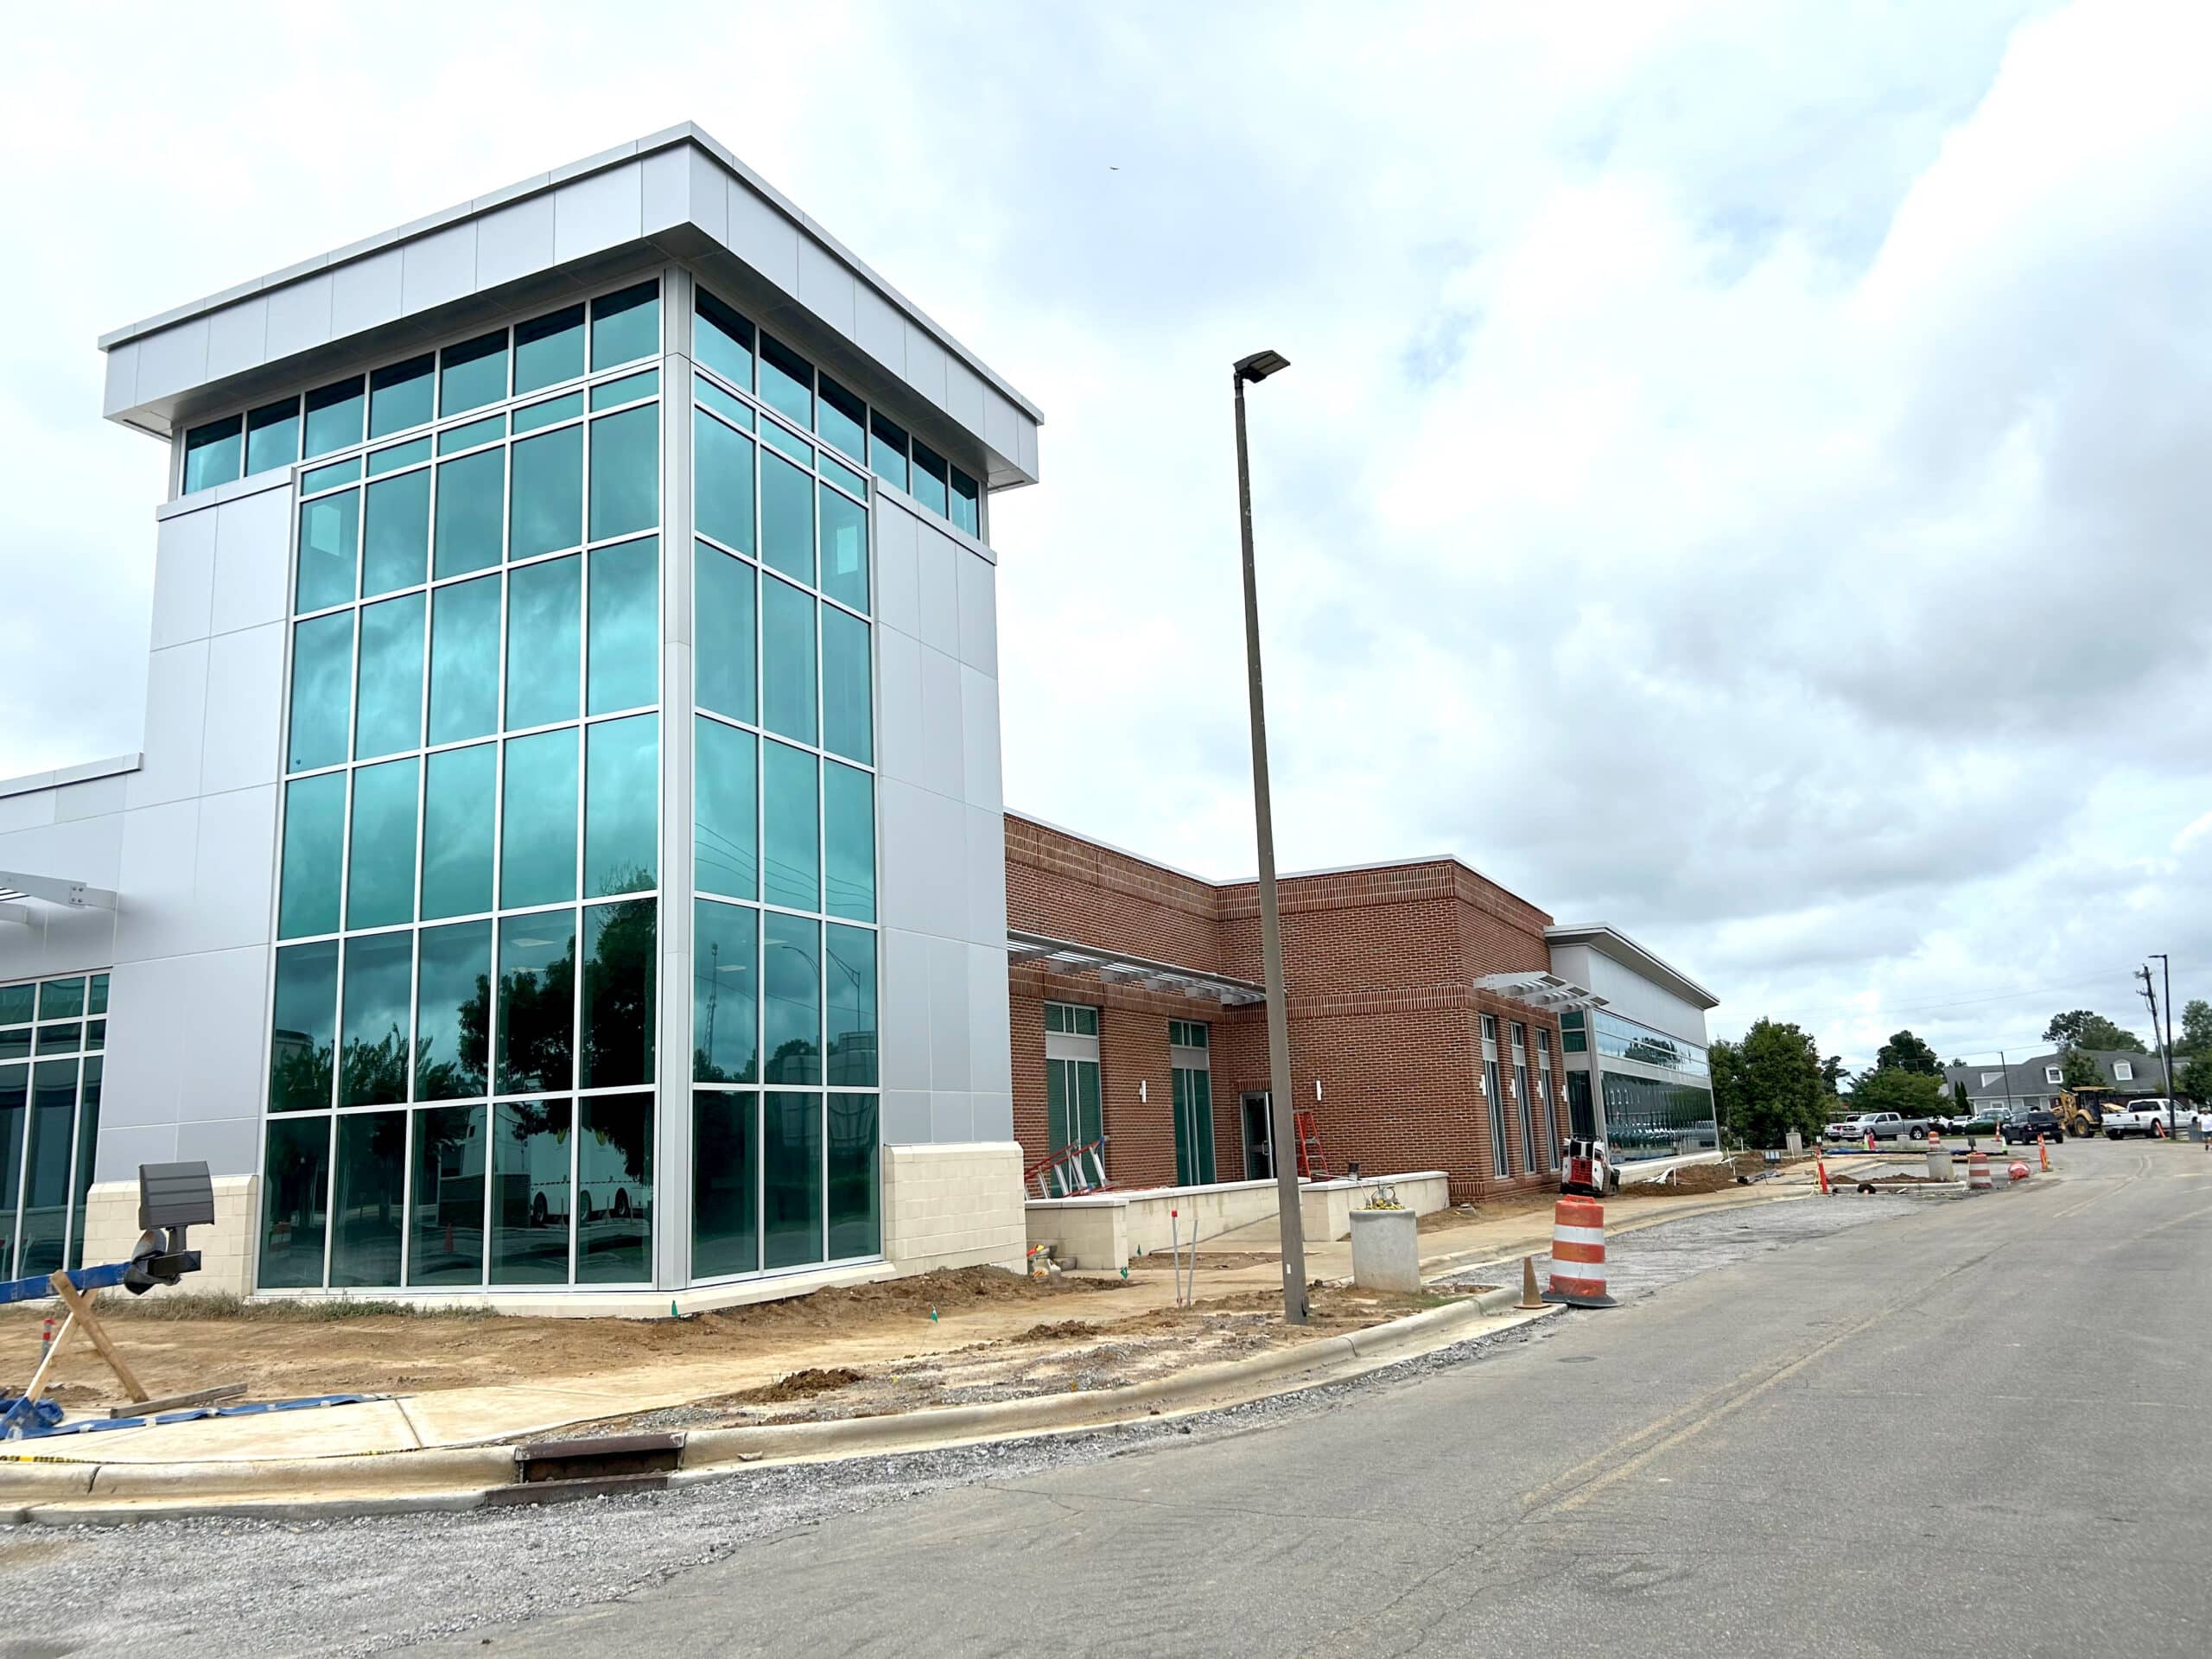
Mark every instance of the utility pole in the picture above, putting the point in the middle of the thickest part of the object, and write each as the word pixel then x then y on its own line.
pixel 2167 1044
pixel 1290 1224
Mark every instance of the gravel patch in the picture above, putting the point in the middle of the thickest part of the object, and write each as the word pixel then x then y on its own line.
pixel 223 1589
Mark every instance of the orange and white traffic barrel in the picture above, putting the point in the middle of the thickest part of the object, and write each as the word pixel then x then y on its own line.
pixel 1579 1254
pixel 2018 1172
pixel 1978 1174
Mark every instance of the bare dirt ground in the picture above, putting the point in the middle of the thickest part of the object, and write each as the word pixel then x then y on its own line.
pixel 940 1338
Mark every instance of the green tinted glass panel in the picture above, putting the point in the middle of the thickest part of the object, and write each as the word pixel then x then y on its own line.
pixel 723 632
pixel 621 796
pixel 790 860
pixel 446 1246
pixel 365 1211
pixel 88 1136
pixel 841 419
pixel 470 511
pixel 625 472
pixel 61 1040
pixel 724 810
pixel 295 1200
pixel 373 1067
pixel 791 1179
pixel 314 841
pixel 465 660
pixel 547 512
pixel 399 396
pixel 98 1004
pixel 388 714
pixel 614 1191
pixel 324 478
pixel 549 349
pixel 722 485
pixel 725 1167
pixel 544 642
pixel 395 536
pixel 725 993
pixel 530 1192
pixel 787 660
pixel 790 984
pixel 564 408
pixel 537 841
pixel 456 438
pixel 618 1002
pixel 706 392
pixel 631 387
pixel 966 510
pixel 838 473
pixel 473 374
pixel 782 437
pixel 849 964
pixel 844 549
pixel 453 1011
pixel 212 452
pixel 380 868
pixel 17 1003
pixel 333 418
pixel 847 704
pixel 61 999
pixel 15 1101
pixel 723 340
pixel 303 1024
pixel 626 325
pixel 787 518
pixel 623 664
pixel 787 382
pixel 848 841
pixel 400 455
pixel 886 451
pixel 856 1216
pixel 929 480
pixel 272 437
pixel 322 685
pixel 537 985
pixel 330 541
pixel 457 830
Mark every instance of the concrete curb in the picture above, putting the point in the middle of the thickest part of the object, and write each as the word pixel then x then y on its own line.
pixel 454 1479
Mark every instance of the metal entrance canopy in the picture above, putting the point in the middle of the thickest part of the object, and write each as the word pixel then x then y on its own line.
pixel 18 884
pixel 1538 990
pixel 1118 968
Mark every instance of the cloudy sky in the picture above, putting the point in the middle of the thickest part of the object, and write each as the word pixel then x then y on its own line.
pixel 1744 474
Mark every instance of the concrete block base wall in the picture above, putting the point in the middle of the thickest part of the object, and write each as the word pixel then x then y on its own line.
pixel 1105 1230
pixel 954 1205
pixel 225 1249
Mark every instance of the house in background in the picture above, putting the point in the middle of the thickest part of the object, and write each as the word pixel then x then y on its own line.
pixel 2032 1084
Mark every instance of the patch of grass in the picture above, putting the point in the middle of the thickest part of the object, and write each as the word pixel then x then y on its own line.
pixel 223 1305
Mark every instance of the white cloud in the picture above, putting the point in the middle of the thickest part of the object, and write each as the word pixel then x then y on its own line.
pixel 1741 474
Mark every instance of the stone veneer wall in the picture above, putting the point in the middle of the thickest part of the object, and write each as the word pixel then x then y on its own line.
pixel 226 1249
pixel 954 1206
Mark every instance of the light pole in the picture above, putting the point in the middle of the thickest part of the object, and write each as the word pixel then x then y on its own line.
pixel 1255 368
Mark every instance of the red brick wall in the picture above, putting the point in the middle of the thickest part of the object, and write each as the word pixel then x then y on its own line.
pixel 1379 965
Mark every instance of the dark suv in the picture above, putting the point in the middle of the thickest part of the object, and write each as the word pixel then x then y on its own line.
pixel 2022 1131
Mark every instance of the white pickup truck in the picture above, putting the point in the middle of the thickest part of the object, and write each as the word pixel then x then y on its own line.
pixel 2147 1117
pixel 1883 1126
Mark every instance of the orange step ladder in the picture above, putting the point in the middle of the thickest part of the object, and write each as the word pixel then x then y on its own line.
pixel 1311 1164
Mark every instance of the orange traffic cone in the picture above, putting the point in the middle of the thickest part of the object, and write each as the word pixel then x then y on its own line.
pixel 1820 1168
pixel 2043 1153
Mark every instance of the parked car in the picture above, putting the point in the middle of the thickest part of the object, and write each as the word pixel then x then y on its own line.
pixel 2145 1116
pixel 1883 1126
pixel 2022 1131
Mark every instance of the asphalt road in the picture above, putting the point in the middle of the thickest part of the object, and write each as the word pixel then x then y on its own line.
pixel 1979 1428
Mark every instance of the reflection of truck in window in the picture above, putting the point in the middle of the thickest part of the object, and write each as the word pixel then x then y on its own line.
pixel 535 1195
pixel 459 1180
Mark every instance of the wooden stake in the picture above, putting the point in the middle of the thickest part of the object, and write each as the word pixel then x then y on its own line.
pixel 79 1304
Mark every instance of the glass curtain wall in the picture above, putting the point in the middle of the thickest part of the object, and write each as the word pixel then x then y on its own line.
pixel 1524 1097
pixel 1547 1107
pixel 52 1043
pixel 786 1155
pixel 1500 1155
pixel 1191 1070
pixel 461 1055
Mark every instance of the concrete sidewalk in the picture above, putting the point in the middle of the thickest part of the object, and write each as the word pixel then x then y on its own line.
pixel 482 1415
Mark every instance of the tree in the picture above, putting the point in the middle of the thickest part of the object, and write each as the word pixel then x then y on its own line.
pixel 2082 1029
pixel 2077 1068
pixel 1893 1089
pixel 1906 1052
pixel 2196 1038
pixel 2195 1079
pixel 1768 1084
pixel 1833 1072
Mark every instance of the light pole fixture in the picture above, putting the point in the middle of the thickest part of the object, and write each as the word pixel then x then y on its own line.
pixel 1281 1130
